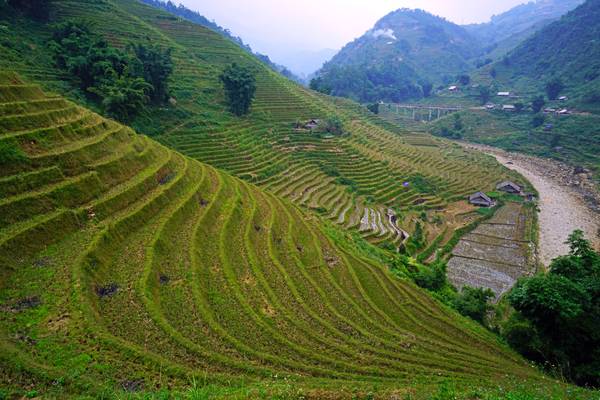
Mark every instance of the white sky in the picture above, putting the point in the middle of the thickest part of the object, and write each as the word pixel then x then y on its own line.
pixel 274 26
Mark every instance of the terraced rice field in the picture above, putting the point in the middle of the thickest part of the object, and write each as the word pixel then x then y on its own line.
pixel 366 180
pixel 124 263
pixel 497 252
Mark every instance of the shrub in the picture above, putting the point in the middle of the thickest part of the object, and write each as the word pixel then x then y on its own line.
pixel 564 308
pixel 240 88
pixel 123 96
pixel 426 87
pixel 374 108
pixel 474 303
pixel 431 277
pixel 122 82
pixel 537 104
pixel 484 94
pixel 332 125
pixel 538 120
pixel 11 152
pixel 554 87
pixel 155 66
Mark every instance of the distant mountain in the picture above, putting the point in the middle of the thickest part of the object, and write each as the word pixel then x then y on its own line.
pixel 568 49
pixel 399 58
pixel 508 29
pixel 303 62
pixel 193 16
pixel 408 51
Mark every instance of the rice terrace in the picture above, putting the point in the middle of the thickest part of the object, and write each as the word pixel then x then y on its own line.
pixel 183 217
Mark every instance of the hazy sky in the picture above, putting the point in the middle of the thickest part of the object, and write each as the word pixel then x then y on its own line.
pixel 275 26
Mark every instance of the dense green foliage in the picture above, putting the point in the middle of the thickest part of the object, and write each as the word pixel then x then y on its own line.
pixel 155 66
pixel 393 61
pixel 554 87
pixel 537 104
pixel 518 23
pixel 408 52
pixel 122 82
pixel 240 88
pixel 559 314
pixel 388 82
pixel 562 57
pixel 332 125
pixel 474 303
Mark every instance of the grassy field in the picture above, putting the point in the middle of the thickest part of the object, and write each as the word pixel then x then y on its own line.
pixel 241 265
pixel 127 266
pixel 357 180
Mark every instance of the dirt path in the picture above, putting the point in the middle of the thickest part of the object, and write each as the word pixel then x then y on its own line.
pixel 566 202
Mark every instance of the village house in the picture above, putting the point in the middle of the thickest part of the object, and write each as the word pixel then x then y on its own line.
pixel 508 107
pixel 509 187
pixel 453 88
pixel 490 106
pixel 563 98
pixel 312 124
pixel 504 94
pixel 481 199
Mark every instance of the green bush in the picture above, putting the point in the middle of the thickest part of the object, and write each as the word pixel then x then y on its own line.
pixel 432 277
pixel 123 83
pixel 11 152
pixel 564 308
pixel 240 88
pixel 474 303
pixel 332 125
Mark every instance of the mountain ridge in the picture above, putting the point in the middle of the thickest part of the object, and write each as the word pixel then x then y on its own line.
pixel 409 51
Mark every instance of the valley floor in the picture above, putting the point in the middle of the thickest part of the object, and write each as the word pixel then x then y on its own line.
pixel 566 203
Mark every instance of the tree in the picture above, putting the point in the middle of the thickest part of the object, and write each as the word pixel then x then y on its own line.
pixel 519 107
pixel 554 87
pixel 318 84
pixel 484 94
pixel 474 303
pixel 426 87
pixel 464 79
pixel 374 108
pixel 538 120
pixel 333 125
pixel 458 124
pixel 155 66
pixel 563 307
pixel 123 83
pixel 123 96
pixel 431 277
pixel 538 103
pixel 240 87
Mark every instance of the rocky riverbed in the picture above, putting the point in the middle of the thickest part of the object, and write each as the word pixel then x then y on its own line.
pixel 569 199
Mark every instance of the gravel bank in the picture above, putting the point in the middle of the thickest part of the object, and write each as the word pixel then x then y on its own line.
pixel 566 202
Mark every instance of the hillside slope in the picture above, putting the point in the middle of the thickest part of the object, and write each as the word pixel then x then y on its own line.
pixel 127 265
pixel 396 58
pixel 567 49
pixel 508 29
pixel 358 180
